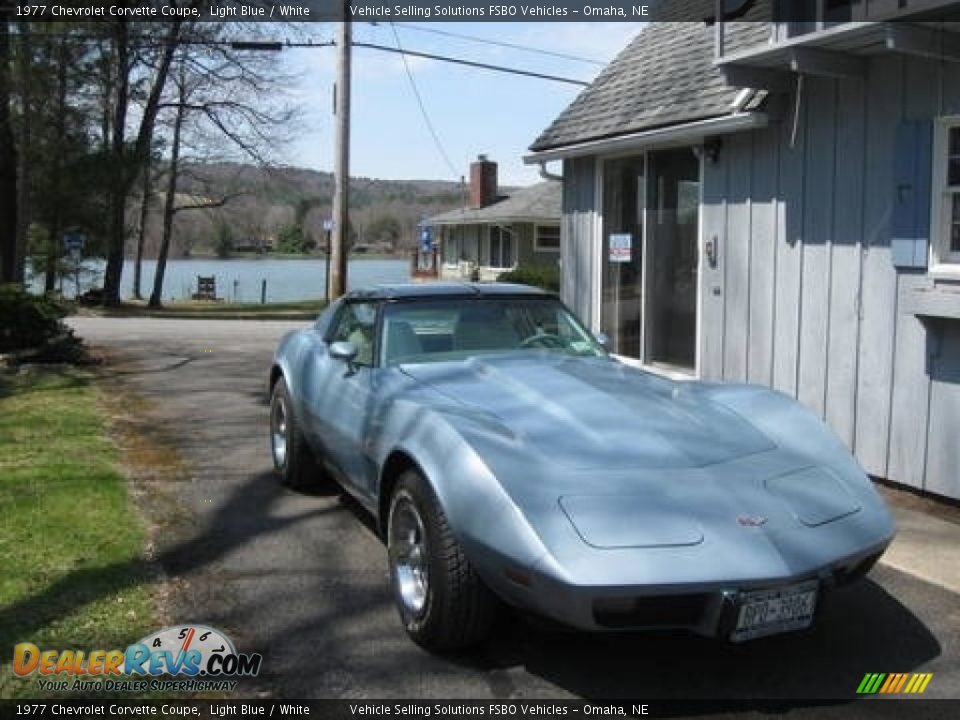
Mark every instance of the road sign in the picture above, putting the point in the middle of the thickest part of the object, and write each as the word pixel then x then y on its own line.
pixel 426 238
pixel 74 240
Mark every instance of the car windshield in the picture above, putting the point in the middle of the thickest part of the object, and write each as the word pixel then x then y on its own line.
pixel 440 329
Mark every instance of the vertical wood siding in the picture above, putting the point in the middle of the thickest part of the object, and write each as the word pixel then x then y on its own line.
pixel 910 393
pixel 763 256
pixel 736 252
pixel 713 221
pixel 817 214
pixel 804 294
pixel 843 331
pixel 943 449
pixel 810 301
pixel 786 324
pixel 883 86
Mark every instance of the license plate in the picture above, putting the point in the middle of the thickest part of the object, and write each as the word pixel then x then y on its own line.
pixel 767 612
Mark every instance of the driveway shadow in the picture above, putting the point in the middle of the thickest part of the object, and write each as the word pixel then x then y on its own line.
pixel 860 629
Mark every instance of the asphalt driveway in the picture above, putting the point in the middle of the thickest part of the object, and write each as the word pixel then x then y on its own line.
pixel 302 577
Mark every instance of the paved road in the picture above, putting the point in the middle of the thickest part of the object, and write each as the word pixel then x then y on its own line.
pixel 302 578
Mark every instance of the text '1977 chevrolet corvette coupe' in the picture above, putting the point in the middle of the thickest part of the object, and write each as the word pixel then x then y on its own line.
pixel 506 456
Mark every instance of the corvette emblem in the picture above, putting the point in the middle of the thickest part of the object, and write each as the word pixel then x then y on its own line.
pixel 752 520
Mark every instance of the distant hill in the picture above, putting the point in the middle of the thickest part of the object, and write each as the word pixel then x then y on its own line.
pixel 278 208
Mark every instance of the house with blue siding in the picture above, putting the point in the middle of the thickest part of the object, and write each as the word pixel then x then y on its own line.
pixel 773 197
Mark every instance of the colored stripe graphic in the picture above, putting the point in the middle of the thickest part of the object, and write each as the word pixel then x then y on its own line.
pixel 894 683
pixel 891 681
pixel 900 682
pixel 923 679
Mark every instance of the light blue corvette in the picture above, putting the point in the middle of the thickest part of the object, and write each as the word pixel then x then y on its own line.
pixel 507 457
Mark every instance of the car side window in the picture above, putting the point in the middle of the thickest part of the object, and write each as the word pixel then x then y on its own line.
pixel 357 324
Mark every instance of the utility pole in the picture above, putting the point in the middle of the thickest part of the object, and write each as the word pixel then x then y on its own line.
pixel 337 258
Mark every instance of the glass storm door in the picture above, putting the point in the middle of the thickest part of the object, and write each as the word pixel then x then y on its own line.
pixel 622 259
pixel 670 307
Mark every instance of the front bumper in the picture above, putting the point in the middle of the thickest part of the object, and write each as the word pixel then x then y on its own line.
pixel 708 609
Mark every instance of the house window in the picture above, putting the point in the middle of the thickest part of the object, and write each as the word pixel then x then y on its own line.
pixel 947 187
pixel 547 238
pixel 501 247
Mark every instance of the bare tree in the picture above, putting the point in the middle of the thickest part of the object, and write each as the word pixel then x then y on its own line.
pixel 223 104
pixel 128 161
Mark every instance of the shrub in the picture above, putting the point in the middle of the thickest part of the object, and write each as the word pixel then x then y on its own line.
pixel 35 323
pixel 546 277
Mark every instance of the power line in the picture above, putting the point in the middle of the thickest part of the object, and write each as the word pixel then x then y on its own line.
pixel 423 109
pixel 273 45
pixel 502 43
pixel 473 63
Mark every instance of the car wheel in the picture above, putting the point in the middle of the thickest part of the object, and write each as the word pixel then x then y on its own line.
pixel 292 457
pixel 443 603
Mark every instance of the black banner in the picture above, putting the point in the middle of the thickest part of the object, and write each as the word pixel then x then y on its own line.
pixel 822 12
pixel 889 708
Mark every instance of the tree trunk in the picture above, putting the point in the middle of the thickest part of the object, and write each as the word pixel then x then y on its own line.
pixel 129 165
pixel 156 296
pixel 116 204
pixel 10 263
pixel 25 147
pixel 141 233
pixel 56 222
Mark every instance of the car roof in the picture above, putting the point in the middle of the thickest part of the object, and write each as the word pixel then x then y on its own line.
pixel 442 289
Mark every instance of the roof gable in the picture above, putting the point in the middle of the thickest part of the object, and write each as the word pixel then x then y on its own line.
pixel 665 76
pixel 527 204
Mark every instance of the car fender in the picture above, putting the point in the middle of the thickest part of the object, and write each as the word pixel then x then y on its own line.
pixel 793 426
pixel 470 495
pixel 288 359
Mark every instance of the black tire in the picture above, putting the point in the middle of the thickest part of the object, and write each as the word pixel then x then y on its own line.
pixel 458 609
pixel 295 463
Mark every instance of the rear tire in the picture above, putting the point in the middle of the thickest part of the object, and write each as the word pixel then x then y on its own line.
pixel 293 459
pixel 443 603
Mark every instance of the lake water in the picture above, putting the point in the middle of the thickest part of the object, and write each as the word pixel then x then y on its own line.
pixel 239 280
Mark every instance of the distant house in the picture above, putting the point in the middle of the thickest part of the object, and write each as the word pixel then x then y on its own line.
pixel 495 232
pixel 776 200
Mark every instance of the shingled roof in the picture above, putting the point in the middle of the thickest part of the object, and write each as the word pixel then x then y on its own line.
pixel 540 202
pixel 665 76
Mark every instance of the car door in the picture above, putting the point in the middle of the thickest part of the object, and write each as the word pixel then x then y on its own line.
pixel 341 405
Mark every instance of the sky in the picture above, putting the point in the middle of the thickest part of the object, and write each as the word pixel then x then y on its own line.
pixel 473 111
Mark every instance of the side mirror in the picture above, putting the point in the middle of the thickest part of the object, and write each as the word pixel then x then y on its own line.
pixel 343 350
pixel 603 339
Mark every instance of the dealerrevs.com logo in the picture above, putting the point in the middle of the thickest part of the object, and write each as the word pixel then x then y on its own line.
pixel 196 657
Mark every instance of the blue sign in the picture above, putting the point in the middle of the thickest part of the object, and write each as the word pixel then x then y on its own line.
pixel 426 238
pixel 74 240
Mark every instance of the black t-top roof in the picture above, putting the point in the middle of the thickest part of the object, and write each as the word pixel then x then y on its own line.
pixel 442 289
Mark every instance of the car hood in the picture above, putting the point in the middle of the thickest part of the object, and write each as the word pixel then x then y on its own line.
pixel 585 413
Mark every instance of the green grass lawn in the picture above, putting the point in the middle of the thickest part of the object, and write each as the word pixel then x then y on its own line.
pixel 71 541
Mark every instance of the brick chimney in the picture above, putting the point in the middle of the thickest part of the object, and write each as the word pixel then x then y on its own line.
pixel 483 182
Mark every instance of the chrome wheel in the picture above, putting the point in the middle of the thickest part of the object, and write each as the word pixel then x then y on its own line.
pixel 278 432
pixel 409 555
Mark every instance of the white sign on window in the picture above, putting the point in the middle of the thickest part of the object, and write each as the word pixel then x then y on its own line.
pixel 621 245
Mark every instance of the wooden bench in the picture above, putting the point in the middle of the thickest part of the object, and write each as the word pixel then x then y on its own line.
pixel 206 288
